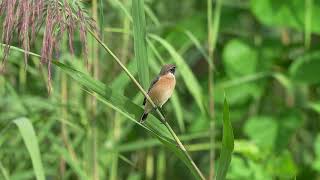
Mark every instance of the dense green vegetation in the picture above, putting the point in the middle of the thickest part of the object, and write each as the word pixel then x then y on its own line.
pixel 73 82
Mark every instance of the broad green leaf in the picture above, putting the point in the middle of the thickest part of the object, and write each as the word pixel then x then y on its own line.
pixel 127 108
pixel 315 106
pixel 282 166
pixel 30 140
pixel 239 59
pixel 183 68
pixel 239 94
pixel 286 13
pixel 139 36
pixel 290 121
pixel 262 130
pixel 239 169
pixel 227 144
pixel 247 148
pixel 305 69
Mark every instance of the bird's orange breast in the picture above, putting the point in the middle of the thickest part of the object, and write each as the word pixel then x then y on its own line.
pixel 163 89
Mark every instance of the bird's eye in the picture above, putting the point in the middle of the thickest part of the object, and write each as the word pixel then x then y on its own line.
pixel 172 70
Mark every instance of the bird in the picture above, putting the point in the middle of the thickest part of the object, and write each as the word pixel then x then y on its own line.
pixel 160 90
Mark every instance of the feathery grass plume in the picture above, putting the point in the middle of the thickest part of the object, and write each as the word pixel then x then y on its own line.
pixel 55 16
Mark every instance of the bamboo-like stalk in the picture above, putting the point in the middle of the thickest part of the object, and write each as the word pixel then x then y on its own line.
pixel 181 146
pixel 210 84
pixel 308 23
pixel 95 71
pixel 212 39
pixel 63 124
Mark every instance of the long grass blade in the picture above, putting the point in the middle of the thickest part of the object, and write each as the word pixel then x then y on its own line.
pixel 227 144
pixel 139 36
pixel 30 139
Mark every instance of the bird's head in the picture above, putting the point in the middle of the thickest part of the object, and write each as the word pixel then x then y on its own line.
pixel 168 68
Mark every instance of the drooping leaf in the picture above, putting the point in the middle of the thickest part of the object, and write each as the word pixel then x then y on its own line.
pixel 30 140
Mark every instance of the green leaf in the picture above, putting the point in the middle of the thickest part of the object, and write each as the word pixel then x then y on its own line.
pixel 127 108
pixel 30 140
pixel 239 59
pixel 315 106
pixel 289 123
pixel 139 36
pixel 282 166
pixel 256 129
pixel 286 13
pixel 227 144
pixel 183 68
pixel 306 68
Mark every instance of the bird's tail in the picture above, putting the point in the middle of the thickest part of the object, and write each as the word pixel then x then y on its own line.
pixel 144 117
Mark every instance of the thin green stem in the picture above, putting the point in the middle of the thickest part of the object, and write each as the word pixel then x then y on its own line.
pixel 308 22
pixel 213 28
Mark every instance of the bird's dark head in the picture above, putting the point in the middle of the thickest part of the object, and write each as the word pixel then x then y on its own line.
pixel 168 68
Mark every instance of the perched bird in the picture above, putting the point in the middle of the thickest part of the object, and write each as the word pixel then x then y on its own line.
pixel 161 89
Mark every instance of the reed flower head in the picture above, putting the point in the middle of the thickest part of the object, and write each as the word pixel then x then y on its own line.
pixel 26 17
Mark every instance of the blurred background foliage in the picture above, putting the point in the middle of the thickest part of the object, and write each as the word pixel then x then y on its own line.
pixel 267 61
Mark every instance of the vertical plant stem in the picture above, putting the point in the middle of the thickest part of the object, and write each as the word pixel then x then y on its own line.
pixel 125 40
pixel 22 76
pixel 116 137
pixel 210 94
pixel 64 117
pixel 149 164
pixel 114 166
pixel 213 27
pixel 161 165
pixel 95 71
pixel 64 129
pixel 308 22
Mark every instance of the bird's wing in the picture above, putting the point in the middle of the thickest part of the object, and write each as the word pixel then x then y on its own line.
pixel 151 85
